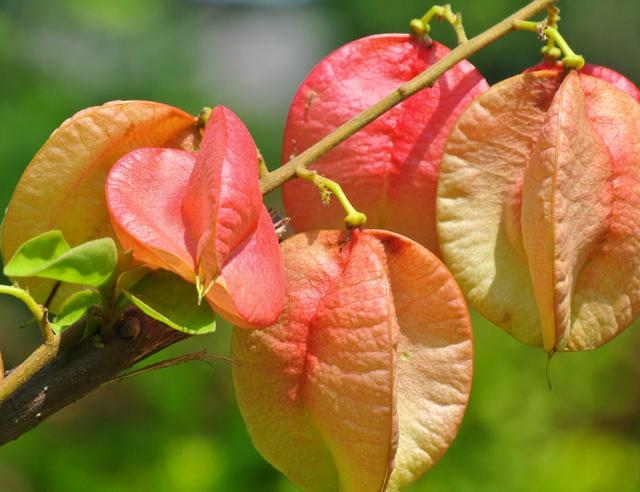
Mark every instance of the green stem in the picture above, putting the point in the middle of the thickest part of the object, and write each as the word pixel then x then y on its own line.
pixel 553 16
pixel 551 51
pixel 422 27
pixel 38 312
pixel 326 187
pixel 570 59
pixel 108 312
pixel 279 176
pixel 36 309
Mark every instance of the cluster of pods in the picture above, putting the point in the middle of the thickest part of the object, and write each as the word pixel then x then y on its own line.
pixel 353 356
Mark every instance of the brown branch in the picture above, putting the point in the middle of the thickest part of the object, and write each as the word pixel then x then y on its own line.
pixel 63 370
pixel 426 79
pixel 67 371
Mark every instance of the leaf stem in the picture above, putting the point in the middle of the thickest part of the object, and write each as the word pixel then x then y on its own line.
pixel 551 50
pixel 326 187
pixel 52 294
pixel 570 59
pixel 421 27
pixel 426 79
pixel 36 309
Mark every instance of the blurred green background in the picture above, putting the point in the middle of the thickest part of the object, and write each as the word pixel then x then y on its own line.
pixel 179 429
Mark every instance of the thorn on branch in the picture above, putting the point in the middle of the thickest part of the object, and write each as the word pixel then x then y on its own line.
pixel 263 169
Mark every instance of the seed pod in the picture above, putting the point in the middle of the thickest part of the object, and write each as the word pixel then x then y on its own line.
pixel 364 380
pixel 389 169
pixel 201 215
pixel 538 208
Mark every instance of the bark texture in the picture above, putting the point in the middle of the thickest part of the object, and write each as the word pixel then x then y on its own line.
pixel 71 370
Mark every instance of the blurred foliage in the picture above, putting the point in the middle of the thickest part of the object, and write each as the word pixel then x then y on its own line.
pixel 179 429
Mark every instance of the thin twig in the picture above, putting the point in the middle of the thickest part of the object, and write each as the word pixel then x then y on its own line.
pixel 52 294
pixel 201 356
pixel 328 186
pixel 458 28
pixel 37 311
pixel 422 27
pixel 426 79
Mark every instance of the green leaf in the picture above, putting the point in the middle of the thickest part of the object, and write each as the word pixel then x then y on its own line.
pixel 74 308
pixel 171 300
pixel 37 253
pixel 50 256
pixel 126 280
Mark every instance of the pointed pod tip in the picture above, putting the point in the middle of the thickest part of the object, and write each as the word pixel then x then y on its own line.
pixel 550 355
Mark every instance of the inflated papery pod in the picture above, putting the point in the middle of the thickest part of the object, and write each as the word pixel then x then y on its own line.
pixel 363 382
pixel 389 169
pixel 200 215
pixel 539 208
